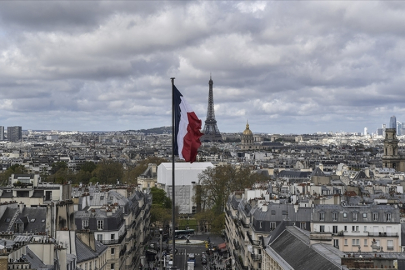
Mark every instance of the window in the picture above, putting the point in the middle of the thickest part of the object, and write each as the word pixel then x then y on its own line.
pixel 390 245
pixel 112 266
pixel 321 216
pixel 388 216
pixel 365 242
pixel 335 216
pixel 112 251
pixel 335 229
pixel 85 223
pixel 100 224
pixel 112 236
pixel 353 228
pixel 272 225
pixel 345 242
pixel 365 228
pixel 355 242
pixel 273 212
pixel 322 228
pixel 364 215
pixel 260 224
pixel 345 215
pixel 303 225
pixel 375 216
pixel 336 243
pixel 345 228
pixel 99 237
pixel 354 216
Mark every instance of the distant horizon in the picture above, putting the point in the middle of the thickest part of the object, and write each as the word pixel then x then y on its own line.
pixel 139 130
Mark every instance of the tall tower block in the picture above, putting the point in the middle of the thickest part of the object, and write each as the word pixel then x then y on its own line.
pixel 211 131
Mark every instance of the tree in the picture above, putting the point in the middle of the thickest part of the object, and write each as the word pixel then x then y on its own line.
pixel 219 182
pixel 132 174
pixel 159 198
pixel 56 166
pixel 216 184
pixel 13 169
pixel 160 216
pixel 108 172
pixel 161 208
pixel 88 166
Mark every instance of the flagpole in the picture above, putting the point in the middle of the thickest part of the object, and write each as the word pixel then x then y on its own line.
pixel 173 180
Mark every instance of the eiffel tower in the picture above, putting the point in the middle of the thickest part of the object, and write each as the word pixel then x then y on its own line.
pixel 211 131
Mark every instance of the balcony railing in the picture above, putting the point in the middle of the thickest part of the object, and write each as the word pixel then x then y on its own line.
pixel 244 223
pixel 320 236
pixel 382 234
pixel 236 244
pixel 113 241
pixel 256 257
pixel 253 242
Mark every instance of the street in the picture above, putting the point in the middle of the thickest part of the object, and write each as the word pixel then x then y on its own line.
pixel 197 246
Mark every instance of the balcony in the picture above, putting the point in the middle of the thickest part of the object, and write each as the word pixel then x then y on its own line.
pixel 236 244
pixel 244 223
pixel 320 236
pixel 253 242
pixel 113 241
pixel 256 257
pixel 237 222
pixel 382 234
pixel 341 233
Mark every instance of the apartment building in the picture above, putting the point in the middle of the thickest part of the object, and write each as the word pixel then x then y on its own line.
pixel 357 228
pixel 251 217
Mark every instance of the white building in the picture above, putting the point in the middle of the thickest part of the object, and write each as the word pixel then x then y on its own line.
pixel 186 177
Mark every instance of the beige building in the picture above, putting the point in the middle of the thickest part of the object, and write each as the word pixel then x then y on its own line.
pixel 360 228
pixel 392 158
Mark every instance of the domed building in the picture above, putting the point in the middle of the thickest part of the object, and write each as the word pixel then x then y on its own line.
pixel 247 136
pixel 249 141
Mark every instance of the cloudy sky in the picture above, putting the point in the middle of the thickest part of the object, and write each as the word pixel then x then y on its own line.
pixel 286 67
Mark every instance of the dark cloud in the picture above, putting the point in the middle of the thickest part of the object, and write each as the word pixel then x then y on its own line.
pixel 284 66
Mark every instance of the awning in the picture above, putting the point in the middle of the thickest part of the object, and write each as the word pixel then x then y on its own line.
pixel 222 246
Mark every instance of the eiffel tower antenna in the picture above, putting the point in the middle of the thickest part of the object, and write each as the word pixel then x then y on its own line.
pixel 211 131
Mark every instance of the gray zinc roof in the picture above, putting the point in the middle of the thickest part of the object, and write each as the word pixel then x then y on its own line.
pixel 287 246
pixel 85 253
pixel 36 262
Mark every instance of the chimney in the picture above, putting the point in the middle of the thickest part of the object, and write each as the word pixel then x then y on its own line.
pixel 87 237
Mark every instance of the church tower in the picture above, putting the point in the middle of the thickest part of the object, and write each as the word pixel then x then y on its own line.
pixel 211 131
pixel 391 157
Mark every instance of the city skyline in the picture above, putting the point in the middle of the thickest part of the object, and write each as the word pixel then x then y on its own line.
pixel 286 67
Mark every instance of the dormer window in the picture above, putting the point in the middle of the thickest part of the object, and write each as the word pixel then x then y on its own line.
pixel 388 215
pixel 335 216
pixel 321 216
pixel 355 216
pixel 345 215
pixel 375 216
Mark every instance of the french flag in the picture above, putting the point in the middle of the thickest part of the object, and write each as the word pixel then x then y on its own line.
pixel 186 127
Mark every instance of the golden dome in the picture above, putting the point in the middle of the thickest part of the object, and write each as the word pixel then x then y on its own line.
pixel 247 131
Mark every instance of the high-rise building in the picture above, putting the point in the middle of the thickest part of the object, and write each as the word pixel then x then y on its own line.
pixel 211 131
pixel 14 134
pixel 393 122
pixel 1 133
pixel 399 128
pixel 365 131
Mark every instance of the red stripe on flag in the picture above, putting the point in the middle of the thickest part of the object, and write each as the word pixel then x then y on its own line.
pixel 192 138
